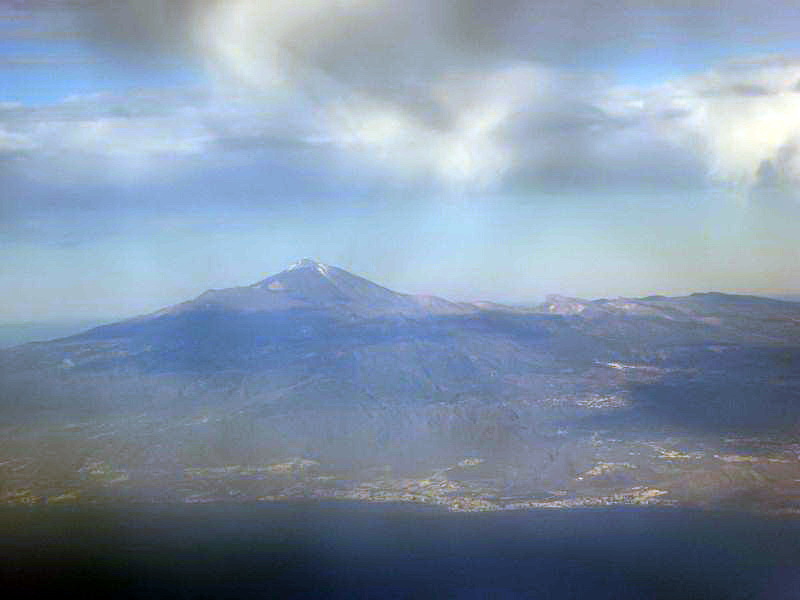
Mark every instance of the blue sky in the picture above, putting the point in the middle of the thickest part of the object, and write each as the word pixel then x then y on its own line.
pixel 152 150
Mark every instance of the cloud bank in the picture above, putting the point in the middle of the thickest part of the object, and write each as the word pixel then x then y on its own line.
pixel 459 95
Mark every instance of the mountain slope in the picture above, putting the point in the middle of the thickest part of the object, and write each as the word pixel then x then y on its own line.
pixel 308 284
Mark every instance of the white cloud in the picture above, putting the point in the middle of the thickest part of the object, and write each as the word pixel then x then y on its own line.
pixel 105 136
pixel 738 118
pixel 465 147
pixel 430 92
pixel 14 143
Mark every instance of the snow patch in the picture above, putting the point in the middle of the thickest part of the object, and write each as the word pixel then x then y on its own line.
pixel 305 262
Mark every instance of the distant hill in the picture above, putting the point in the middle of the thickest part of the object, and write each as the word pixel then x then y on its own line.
pixel 787 297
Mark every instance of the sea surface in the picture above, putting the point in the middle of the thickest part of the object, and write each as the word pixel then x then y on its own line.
pixel 349 550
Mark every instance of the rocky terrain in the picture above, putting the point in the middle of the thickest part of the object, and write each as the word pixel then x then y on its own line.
pixel 316 383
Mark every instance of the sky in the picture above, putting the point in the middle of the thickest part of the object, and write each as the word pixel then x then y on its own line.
pixel 504 150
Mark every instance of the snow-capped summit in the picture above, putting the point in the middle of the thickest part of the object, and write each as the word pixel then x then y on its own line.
pixel 308 263
pixel 312 284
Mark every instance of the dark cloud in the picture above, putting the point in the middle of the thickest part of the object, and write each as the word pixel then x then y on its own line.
pixel 749 90
pixel 585 163
pixel 779 173
pixel 138 29
pixel 372 37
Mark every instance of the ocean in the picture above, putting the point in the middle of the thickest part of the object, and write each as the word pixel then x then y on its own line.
pixel 351 550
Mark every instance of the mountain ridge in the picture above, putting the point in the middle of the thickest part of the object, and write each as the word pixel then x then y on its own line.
pixel 311 284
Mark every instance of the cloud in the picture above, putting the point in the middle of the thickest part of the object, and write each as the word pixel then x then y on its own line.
pixel 741 118
pixel 363 41
pixel 430 92
pixel 469 96
pixel 100 135
pixel 12 144
pixel 134 135
pixel 454 94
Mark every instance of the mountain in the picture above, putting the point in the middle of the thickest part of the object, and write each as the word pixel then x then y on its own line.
pixel 317 364
pixel 312 335
pixel 316 335
pixel 311 285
